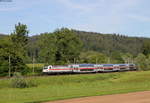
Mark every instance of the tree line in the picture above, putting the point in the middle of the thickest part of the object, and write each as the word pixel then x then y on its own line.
pixel 67 46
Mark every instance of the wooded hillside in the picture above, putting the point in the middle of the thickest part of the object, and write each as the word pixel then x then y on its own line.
pixel 108 43
pixel 65 46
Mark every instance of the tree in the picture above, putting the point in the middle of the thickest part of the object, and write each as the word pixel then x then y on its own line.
pixel 93 57
pixel 141 62
pixel 47 44
pixel 146 47
pixel 20 35
pixel 19 39
pixel 127 58
pixel 5 52
pixel 115 57
pixel 9 57
pixel 68 46
pixel 148 62
pixel 33 49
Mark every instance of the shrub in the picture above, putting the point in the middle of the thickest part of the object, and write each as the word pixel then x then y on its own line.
pixel 18 81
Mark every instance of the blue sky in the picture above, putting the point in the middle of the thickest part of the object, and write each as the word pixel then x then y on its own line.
pixel 128 17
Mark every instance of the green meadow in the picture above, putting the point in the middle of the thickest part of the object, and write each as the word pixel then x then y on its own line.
pixel 58 87
pixel 36 65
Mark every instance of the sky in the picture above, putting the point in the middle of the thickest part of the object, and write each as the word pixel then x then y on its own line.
pixel 127 17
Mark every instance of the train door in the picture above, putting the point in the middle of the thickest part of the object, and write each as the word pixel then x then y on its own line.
pixel 100 68
pixel 96 66
pixel 75 68
pixel 116 67
pixel 124 67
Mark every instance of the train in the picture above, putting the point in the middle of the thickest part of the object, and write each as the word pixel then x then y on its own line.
pixel 88 68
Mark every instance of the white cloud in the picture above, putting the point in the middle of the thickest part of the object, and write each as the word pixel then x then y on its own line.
pixel 140 18
pixel 90 15
pixel 103 15
pixel 81 7
pixel 97 4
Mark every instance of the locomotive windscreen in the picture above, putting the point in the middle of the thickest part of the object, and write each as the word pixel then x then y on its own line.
pixel 45 67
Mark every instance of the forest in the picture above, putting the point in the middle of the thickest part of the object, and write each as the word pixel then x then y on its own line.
pixel 64 46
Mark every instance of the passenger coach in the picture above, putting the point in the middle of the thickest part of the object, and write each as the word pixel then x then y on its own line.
pixel 88 68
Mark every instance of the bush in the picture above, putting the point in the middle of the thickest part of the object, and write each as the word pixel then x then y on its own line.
pixel 37 71
pixel 143 62
pixel 4 67
pixel 18 81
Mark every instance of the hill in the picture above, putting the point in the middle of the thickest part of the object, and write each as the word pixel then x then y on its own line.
pixel 2 35
pixel 105 43
pixel 108 43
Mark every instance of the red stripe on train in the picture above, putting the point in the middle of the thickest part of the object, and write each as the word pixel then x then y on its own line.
pixel 72 68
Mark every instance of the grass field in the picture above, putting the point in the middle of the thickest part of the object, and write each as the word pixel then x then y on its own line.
pixel 40 65
pixel 73 86
pixel 37 69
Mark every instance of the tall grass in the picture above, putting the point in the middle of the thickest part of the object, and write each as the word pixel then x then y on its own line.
pixel 40 65
pixel 72 86
pixel 37 69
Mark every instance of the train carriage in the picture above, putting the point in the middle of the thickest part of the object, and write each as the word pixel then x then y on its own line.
pixel 132 67
pixel 57 69
pixel 88 68
pixel 106 67
pixel 123 67
pixel 83 68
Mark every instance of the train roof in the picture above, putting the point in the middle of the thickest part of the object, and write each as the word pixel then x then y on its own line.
pixel 84 65
pixel 108 64
pixel 113 64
